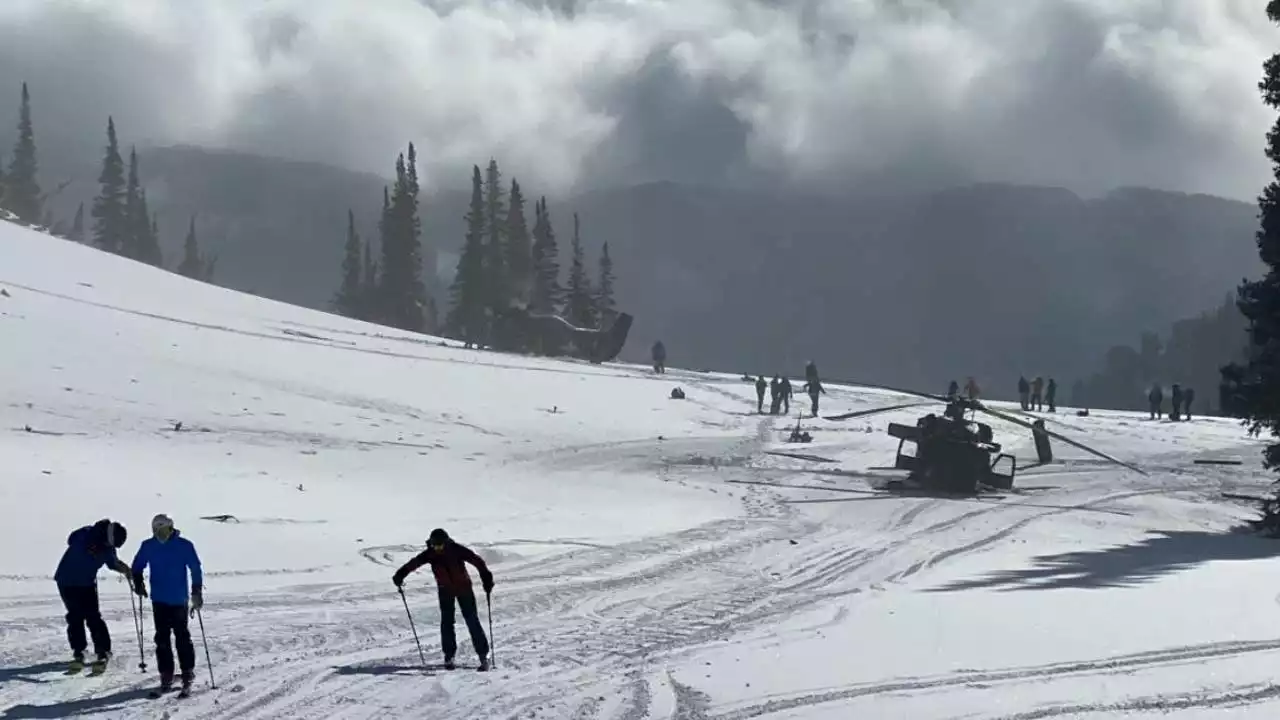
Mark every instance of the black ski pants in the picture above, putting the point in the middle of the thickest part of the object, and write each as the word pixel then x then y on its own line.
pixel 172 620
pixel 466 602
pixel 82 609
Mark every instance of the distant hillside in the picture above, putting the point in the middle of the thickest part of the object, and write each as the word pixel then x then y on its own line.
pixel 904 288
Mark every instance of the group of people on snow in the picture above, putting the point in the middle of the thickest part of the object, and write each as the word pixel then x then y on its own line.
pixel 176 592
pixel 171 558
pixel 1180 400
pixel 781 391
pixel 1034 395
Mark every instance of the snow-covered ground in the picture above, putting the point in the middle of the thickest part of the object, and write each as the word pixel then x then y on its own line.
pixel 653 559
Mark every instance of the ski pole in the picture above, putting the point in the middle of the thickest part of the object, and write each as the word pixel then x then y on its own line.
pixel 488 604
pixel 137 627
pixel 421 656
pixel 203 639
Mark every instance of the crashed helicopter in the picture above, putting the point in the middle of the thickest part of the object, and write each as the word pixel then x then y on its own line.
pixel 954 454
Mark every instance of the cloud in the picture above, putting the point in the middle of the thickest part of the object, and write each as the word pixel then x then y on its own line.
pixel 1090 94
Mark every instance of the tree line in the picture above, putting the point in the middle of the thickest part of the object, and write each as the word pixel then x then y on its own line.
pixel 122 222
pixel 505 262
pixel 1192 355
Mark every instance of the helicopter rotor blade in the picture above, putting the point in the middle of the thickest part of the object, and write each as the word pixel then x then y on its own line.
pixel 1027 424
pixel 873 411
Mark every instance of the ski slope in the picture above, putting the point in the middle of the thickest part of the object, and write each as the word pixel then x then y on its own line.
pixel 653 560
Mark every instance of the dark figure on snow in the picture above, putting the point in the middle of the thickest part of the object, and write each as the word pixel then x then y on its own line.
pixel 1188 395
pixel 953 390
pixel 447 560
pixel 761 386
pixel 659 358
pixel 1037 394
pixel 971 389
pixel 813 387
pixel 786 396
pixel 170 556
pixel 1175 402
pixel 775 395
pixel 810 372
pixel 1024 393
pixel 89 549
pixel 1155 398
pixel 1051 395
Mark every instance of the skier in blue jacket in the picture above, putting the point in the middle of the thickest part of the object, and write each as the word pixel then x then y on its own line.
pixel 88 549
pixel 170 556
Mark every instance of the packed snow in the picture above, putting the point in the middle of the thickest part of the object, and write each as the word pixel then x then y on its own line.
pixel 654 557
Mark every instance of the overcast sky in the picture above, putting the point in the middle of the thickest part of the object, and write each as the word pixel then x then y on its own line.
pixel 1090 94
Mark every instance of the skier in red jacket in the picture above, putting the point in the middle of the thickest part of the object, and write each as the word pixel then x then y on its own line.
pixel 447 560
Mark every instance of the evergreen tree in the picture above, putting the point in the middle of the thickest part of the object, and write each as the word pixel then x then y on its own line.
pixel 348 299
pixel 579 302
pixel 606 308
pixel 23 189
pixel 497 290
pixel 4 187
pixel 369 287
pixel 547 293
pixel 192 264
pixel 465 320
pixel 142 241
pixel 519 249
pixel 110 225
pixel 77 225
pixel 403 295
pixel 1257 381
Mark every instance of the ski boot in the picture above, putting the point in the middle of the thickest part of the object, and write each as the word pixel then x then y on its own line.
pixel 166 685
pixel 100 664
pixel 448 663
pixel 77 664
pixel 484 664
pixel 187 678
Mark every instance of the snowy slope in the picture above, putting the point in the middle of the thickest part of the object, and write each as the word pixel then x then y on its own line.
pixel 653 560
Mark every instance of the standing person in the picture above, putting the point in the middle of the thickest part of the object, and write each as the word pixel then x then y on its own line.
pixel 1024 393
pixel 971 388
pixel 813 387
pixel 775 395
pixel 1051 395
pixel 1037 394
pixel 1154 398
pixel 1175 402
pixel 761 385
pixel 787 392
pixel 89 549
pixel 659 357
pixel 453 583
pixel 170 556
pixel 1188 395
pixel 953 390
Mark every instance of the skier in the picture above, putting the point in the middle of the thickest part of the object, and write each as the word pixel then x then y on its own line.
pixel 787 392
pixel 775 395
pixel 170 556
pixel 1175 402
pixel 1154 398
pixel 659 358
pixel 953 390
pixel 813 387
pixel 453 583
pixel 1188 395
pixel 971 388
pixel 88 549
pixel 810 372
pixel 761 385
pixel 1037 394
pixel 1051 395
pixel 1024 392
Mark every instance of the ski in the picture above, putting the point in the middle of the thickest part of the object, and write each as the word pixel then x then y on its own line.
pixel 159 692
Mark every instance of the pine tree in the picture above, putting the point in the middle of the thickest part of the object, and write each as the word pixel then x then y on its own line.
pixel 4 187
pixel 23 196
pixel 402 293
pixel 347 301
pixel 519 248
pixel 497 290
pixel 369 286
pixel 547 293
pixel 606 308
pixel 465 319
pixel 141 241
pixel 579 302
pixel 110 225
pixel 77 225
pixel 192 264
pixel 1257 383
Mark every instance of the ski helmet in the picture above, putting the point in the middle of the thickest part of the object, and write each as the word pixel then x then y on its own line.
pixel 438 537
pixel 116 535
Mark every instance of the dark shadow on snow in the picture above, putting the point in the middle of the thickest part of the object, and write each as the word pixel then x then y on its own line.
pixel 22 674
pixel 386 669
pixel 72 708
pixel 1162 553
